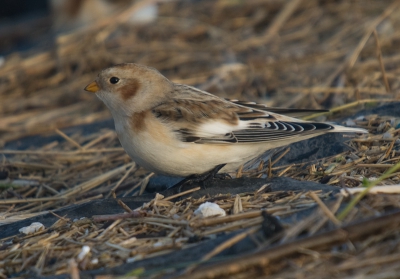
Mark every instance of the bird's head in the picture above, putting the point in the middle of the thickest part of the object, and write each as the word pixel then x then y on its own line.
pixel 130 88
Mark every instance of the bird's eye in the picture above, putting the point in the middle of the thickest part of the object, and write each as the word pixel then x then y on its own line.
pixel 114 80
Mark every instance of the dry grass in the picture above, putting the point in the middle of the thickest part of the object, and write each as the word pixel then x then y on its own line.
pixel 304 54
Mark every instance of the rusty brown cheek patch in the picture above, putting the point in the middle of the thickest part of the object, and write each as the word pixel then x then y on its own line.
pixel 137 121
pixel 129 90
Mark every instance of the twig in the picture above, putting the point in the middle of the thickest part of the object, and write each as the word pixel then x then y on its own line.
pixel 280 156
pixel 98 139
pixel 381 65
pixel 69 139
pixel 59 217
pixel 181 194
pixel 232 218
pixel 94 182
pixel 124 206
pixel 324 208
pixel 388 189
pixel 73 269
pixel 32 200
pixel 380 166
pixel 38 152
pixel 139 184
pixel 112 192
pixel 285 170
pixel 113 217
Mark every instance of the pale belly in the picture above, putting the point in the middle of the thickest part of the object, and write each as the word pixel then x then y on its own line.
pixel 167 155
pixel 156 148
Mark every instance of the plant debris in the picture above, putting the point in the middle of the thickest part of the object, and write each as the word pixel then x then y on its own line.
pixel 59 148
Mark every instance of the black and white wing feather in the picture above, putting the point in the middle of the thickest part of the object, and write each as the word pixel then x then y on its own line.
pixel 199 117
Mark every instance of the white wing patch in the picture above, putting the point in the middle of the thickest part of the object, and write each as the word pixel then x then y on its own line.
pixel 214 128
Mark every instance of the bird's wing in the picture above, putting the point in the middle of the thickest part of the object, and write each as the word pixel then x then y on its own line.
pixel 199 117
pixel 292 112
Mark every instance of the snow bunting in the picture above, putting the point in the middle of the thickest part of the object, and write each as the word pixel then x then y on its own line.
pixel 178 130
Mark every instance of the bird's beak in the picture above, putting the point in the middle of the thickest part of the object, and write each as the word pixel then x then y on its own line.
pixel 92 87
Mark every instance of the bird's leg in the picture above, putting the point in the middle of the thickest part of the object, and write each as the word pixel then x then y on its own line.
pixel 222 176
pixel 214 174
pixel 204 178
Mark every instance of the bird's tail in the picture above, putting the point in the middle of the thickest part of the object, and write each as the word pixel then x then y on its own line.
pixel 342 129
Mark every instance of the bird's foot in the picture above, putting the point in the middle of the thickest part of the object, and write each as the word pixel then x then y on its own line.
pixel 204 179
pixel 222 176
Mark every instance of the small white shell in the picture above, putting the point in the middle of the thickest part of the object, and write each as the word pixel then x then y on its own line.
pixel 210 209
pixel 32 228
